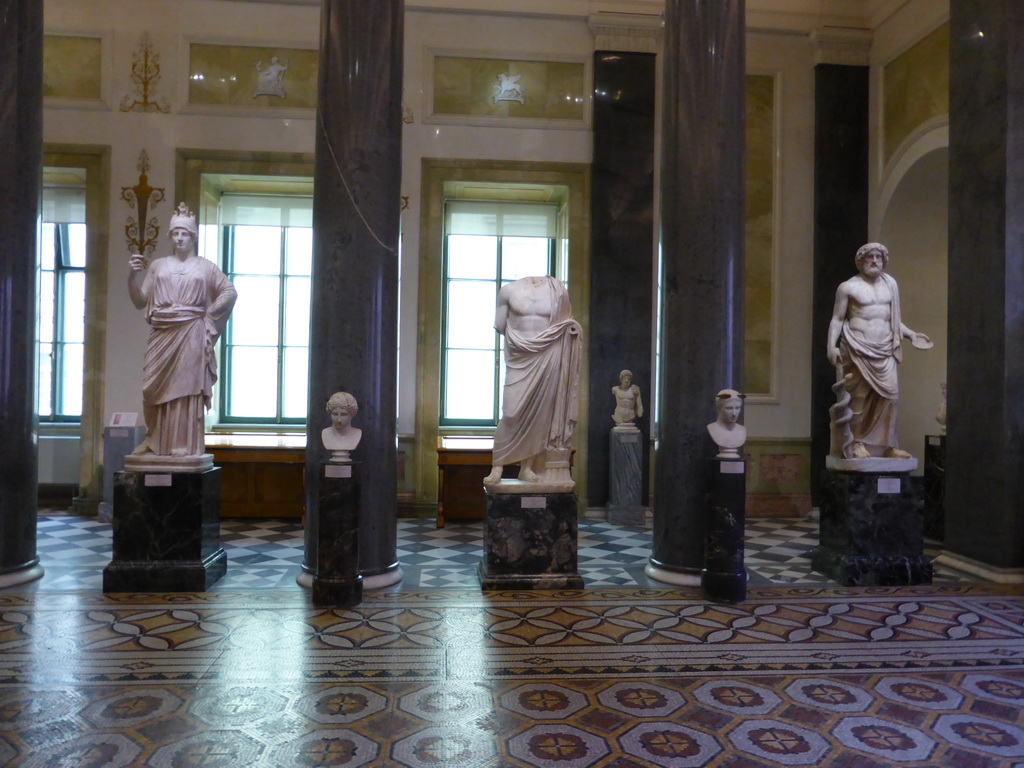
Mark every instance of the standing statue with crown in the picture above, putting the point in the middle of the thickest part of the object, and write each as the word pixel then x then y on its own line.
pixel 187 301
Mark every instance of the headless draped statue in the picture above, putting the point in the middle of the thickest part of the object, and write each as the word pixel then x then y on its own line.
pixel 187 301
pixel 540 402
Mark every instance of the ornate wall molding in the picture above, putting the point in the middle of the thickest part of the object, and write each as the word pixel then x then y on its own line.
pixel 630 32
pixel 847 46
pixel 141 235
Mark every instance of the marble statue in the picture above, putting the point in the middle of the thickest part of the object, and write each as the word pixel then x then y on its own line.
pixel 341 437
pixel 941 415
pixel 864 345
pixel 187 301
pixel 628 405
pixel 729 435
pixel 271 78
pixel 540 402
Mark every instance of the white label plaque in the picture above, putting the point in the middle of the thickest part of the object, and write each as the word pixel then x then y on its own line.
pixel 120 432
pixel 630 437
pixel 934 440
pixel 889 485
pixel 731 468
pixel 338 470
pixel 158 480
pixel 533 502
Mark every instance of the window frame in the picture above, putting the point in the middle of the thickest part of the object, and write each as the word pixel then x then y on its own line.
pixel 448 423
pixel 61 269
pixel 225 418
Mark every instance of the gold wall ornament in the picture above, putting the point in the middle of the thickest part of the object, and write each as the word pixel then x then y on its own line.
pixel 140 233
pixel 145 73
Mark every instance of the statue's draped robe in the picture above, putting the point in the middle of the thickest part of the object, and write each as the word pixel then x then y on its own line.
pixel 540 402
pixel 873 386
pixel 186 307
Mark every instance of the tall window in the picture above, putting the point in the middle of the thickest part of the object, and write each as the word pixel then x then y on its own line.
pixel 268 254
pixel 486 245
pixel 61 321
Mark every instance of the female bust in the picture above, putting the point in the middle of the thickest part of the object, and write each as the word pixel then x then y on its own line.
pixel 727 433
pixel 341 437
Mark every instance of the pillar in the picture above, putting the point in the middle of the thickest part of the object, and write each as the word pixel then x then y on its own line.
pixel 356 222
pixel 21 167
pixel 841 118
pixel 701 270
pixel 985 405
pixel 621 232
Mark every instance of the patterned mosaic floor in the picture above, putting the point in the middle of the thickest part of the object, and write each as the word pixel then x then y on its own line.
pixel 266 554
pixel 603 678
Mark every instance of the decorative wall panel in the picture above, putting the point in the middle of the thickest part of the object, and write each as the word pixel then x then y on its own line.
pixel 249 76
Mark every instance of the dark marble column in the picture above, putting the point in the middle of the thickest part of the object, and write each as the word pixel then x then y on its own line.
pixel 356 205
pixel 840 224
pixel 985 398
pixel 621 250
pixel 701 276
pixel 21 164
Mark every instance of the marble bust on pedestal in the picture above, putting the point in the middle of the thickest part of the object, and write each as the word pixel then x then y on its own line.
pixel 341 437
pixel 729 435
pixel 628 404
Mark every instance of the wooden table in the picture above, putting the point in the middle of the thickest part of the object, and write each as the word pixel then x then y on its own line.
pixel 462 465
pixel 261 475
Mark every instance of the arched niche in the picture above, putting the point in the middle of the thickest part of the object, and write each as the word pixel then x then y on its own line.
pixel 914 226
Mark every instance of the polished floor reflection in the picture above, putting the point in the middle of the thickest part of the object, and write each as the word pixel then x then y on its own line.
pixel 611 676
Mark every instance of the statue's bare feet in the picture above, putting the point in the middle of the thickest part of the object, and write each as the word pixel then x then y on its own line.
pixel 896 453
pixel 494 478
pixel 860 452
pixel 527 475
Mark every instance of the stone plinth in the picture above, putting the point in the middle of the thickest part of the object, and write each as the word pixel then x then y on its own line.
pixel 166 530
pixel 872 530
pixel 625 480
pixel 337 580
pixel 529 539
pixel 935 487
pixel 724 578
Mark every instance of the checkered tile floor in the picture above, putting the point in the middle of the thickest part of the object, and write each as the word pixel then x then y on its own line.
pixel 267 554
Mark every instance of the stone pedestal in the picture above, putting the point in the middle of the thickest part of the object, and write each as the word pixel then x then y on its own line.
pixel 724 578
pixel 529 539
pixel 166 532
pixel 935 487
pixel 625 480
pixel 872 530
pixel 337 580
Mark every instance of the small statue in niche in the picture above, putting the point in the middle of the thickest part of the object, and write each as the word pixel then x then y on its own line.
pixel 941 415
pixel 341 437
pixel 628 405
pixel 271 78
pixel 728 434
pixel 865 345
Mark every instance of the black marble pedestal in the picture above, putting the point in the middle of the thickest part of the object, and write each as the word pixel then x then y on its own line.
pixel 166 531
pixel 872 530
pixel 935 487
pixel 529 540
pixel 724 578
pixel 337 581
